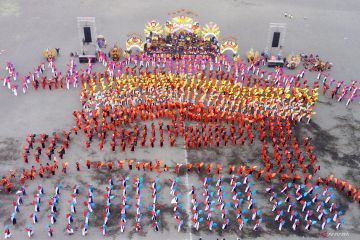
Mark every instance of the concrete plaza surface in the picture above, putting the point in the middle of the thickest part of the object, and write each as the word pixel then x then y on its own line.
pixel 329 28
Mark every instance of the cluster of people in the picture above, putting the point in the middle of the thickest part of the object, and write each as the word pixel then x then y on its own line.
pixel 339 90
pixel 176 195
pixel 71 215
pixel 124 199
pixel 281 151
pixel 11 78
pixel 242 193
pixel 155 207
pixel 218 66
pixel 304 205
pixel 37 202
pixel 222 195
pixel 90 204
pixel 286 161
pixel 36 143
pixel 315 63
pixel 39 78
pixel 34 216
pixel 138 196
pixel 39 142
pixel 16 205
pixel 138 92
pixel 108 197
pixel 199 101
pixel 181 43
pixel 53 204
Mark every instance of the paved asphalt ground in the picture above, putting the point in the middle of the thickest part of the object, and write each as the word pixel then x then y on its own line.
pixel 329 28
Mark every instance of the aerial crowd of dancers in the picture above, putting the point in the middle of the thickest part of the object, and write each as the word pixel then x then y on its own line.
pixel 195 102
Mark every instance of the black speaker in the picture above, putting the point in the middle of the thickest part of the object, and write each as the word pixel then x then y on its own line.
pixel 85 58
pixel 87 35
pixel 276 39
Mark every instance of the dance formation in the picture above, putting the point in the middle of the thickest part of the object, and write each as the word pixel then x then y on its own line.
pixel 157 100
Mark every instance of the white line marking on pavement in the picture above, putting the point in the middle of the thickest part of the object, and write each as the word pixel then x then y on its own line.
pixel 188 208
